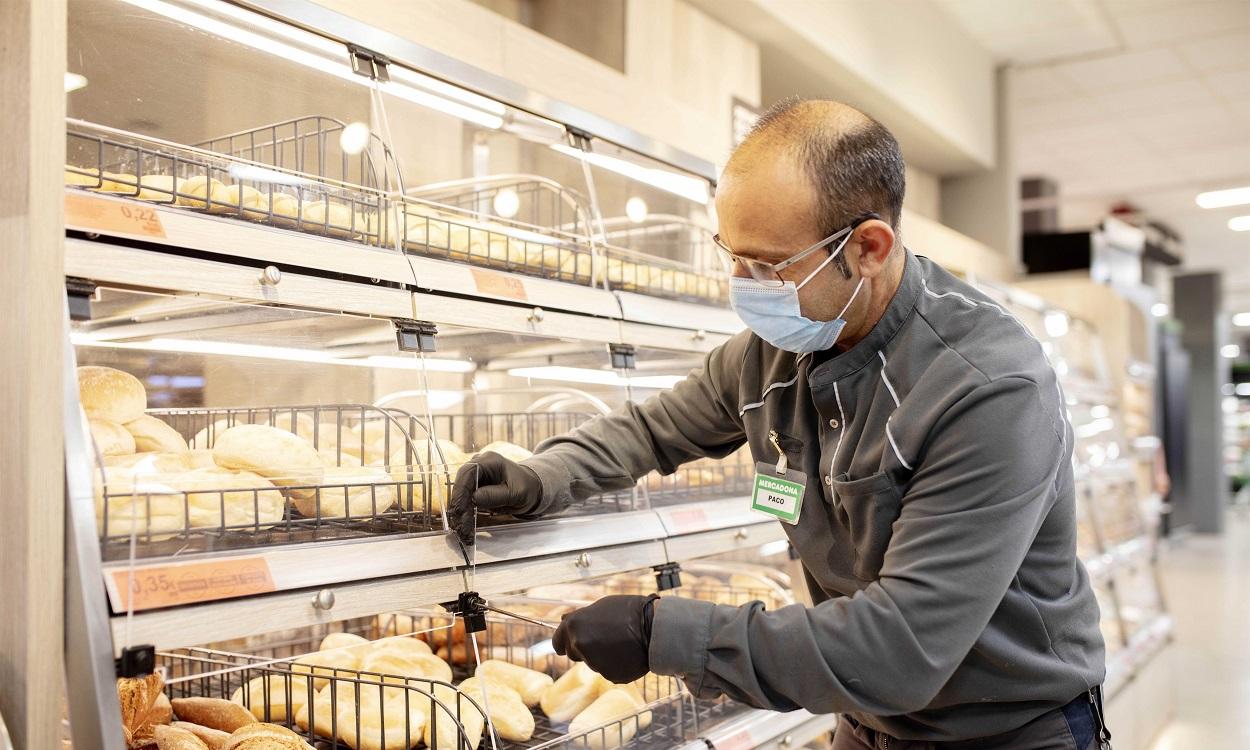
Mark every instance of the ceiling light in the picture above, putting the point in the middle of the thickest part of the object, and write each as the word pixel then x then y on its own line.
pixel 1223 198
pixel 596 377
pixel 507 203
pixel 1159 310
pixel 74 81
pixel 1242 389
pixel 1056 323
pixel 354 138
pixel 1230 351
pixel 1100 411
pixel 1242 320
pixel 1239 223
pixel 636 209
pixel 691 188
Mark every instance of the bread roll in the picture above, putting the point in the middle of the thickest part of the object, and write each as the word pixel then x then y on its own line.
pixel 320 716
pixel 652 687
pixel 359 645
pixel 405 664
pixel 617 708
pixel 194 192
pixel 327 216
pixel 455 721
pixel 389 624
pixel 530 685
pixel 325 664
pixel 273 697
pixel 214 713
pixel 201 459
pixel 151 434
pixel 265 737
pixel 510 451
pixel 75 176
pixel 572 693
pixel 140 464
pixel 176 738
pixel 383 438
pixel 406 645
pixel 353 491
pixel 145 505
pixel 110 438
pixel 330 437
pixel 512 719
pixel 521 656
pixel 285 459
pixel 215 739
pixel 111 394
pixel 224 499
pixel 402 716
pixel 235 198
pixel 425 469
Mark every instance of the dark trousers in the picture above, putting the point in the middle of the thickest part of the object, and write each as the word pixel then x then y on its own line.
pixel 1072 727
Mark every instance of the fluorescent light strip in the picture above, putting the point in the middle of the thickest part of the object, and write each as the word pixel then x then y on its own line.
pixel 336 68
pixel 690 188
pixel 1239 223
pixel 1230 351
pixel 596 377
pixel 446 89
pixel 280 353
pixel 74 81
pixel 1224 198
pixel 1242 320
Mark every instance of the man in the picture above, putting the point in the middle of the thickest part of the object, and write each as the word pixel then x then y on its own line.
pixel 937 526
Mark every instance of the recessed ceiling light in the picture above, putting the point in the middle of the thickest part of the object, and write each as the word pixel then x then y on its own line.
pixel 1222 198
pixel 1242 320
pixel 1159 310
pixel 1239 223
pixel 1230 351
pixel 74 81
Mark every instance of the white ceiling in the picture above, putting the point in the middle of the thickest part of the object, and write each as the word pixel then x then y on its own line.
pixel 1140 100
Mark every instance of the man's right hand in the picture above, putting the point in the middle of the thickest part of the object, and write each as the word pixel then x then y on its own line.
pixel 493 484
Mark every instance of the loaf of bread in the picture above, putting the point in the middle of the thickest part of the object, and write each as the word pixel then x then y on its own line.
pixel 284 458
pixel 572 693
pixel 509 714
pixel 455 721
pixel 141 464
pixel 139 698
pixel 397 723
pixel 110 438
pixel 405 663
pixel 109 394
pixel 151 434
pixel 214 713
pixel 176 738
pixel 353 491
pixel 215 739
pixel 529 684
pixel 510 451
pixel 265 737
pixel 619 709
pixel 273 697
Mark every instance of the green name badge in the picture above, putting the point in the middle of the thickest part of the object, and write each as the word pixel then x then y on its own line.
pixel 778 495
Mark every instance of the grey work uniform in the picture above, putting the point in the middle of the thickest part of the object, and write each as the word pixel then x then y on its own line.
pixel 937 531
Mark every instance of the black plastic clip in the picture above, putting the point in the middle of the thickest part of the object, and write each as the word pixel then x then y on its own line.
pixel 624 356
pixel 370 64
pixel 667 576
pixel 415 335
pixel 80 293
pixel 136 661
pixel 791 551
pixel 472 608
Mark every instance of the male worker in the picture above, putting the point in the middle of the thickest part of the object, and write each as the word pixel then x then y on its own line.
pixel 937 524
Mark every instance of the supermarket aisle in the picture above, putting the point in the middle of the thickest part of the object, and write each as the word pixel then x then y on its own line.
pixel 1207 581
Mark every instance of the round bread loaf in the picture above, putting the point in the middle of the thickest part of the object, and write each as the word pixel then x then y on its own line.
pixel 273 697
pixel 151 434
pixel 106 393
pixel 110 438
pixel 284 458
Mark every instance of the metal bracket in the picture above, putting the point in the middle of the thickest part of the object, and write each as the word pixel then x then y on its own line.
pixel 470 606
pixel 415 335
pixel 667 576
pixel 624 356
pixel 136 661
pixel 370 64
pixel 80 293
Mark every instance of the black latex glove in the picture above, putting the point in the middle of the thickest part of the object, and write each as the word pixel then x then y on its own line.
pixel 493 484
pixel 613 636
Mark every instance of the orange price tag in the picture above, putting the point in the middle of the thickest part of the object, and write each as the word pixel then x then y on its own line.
pixel 693 519
pixel 95 214
pixel 499 285
pixel 169 585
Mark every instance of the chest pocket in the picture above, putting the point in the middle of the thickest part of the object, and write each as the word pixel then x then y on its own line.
pixel 868 507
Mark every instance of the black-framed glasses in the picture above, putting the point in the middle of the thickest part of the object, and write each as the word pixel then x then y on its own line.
pixel 770 273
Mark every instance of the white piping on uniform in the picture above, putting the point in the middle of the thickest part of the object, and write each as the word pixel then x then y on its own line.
pixel 837 396
pixel 764 395
pixel 894 445
pixel 888 384
pixel 975 303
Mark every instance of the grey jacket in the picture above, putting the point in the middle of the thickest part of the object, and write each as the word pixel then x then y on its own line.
pixel 937 532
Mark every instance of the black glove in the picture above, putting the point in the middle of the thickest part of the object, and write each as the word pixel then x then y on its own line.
pixel 494 484
pixel 613 636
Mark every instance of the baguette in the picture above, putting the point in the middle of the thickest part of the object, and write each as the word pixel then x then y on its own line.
pixel 617 712
pixel 529 684
pixel 509 714
pixel 572 693
pixel 214 713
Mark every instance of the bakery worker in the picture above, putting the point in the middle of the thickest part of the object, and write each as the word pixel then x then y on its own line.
pixel 937 527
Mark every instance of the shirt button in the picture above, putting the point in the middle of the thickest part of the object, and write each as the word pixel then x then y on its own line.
pixel 833 423
pixel 828 481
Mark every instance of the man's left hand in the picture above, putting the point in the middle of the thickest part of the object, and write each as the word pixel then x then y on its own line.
pixel 612 636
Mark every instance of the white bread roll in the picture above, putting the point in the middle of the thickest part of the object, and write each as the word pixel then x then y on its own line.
pixel 151 434
pixel 297 422
pixel 383 438
pixel 405 664
pixel 512 719
pixel 327 216
pixel 652 687
pixel 331 459
pixel 206 436
pixel 454 724
pixel 572 693
pixel 510 451
pixel 268 696
pixel 402 716
pixel 285 208
pixel 360 646
pixel 254 505
pixel 200 459
pixel 195 191
pixel 110 438
pixel 285 459
pixel 111 394
pixel 427 469
pixel 233 198
pixel 141 464
pixel 617 708
pixel 72 177
pixel 265 737
pixel 404 645
pixel 528 684
pixel 353 491
pixel 146 505
pixel 325 664
pixel 329 437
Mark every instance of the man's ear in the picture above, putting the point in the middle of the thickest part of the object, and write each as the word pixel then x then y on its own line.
pixel 874 239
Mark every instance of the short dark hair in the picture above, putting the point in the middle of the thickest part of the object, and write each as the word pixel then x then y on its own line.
pixel 854 164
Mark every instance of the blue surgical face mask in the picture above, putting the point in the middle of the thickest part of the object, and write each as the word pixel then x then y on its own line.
pixel 774 314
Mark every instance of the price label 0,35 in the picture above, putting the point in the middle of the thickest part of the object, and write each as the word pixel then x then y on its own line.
pixel 153 587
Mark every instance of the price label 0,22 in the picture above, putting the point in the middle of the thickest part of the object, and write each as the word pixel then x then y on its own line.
pixel 170 585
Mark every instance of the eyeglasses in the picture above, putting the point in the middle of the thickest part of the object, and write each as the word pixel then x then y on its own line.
pixel 770 273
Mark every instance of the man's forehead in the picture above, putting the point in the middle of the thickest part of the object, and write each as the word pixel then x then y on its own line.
pixel 765 211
